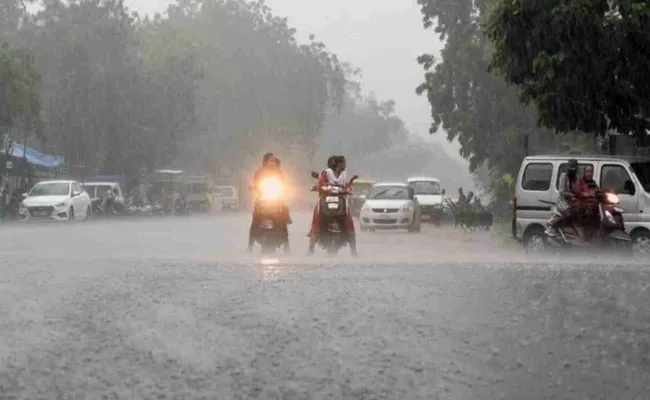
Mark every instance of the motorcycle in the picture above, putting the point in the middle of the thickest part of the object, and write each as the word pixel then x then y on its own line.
pixel 333 206
pixel 270 209
pixel 182 206
pixel 607 229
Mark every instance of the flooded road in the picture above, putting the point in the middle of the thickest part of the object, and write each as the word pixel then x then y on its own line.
pixel 175 309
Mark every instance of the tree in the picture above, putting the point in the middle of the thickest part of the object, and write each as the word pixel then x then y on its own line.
pixel 19 86
pixel 582 63
pixel 261 89
pixel 471 104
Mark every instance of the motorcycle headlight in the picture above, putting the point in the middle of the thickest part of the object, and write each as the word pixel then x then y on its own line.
pixel 611 198
pixel 270 189
pixel 610 217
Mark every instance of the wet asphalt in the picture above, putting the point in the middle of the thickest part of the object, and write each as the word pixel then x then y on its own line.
pixel 173 308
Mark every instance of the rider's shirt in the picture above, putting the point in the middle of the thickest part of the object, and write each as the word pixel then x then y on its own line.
pixel 332 179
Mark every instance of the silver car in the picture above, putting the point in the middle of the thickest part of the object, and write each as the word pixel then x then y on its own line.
pixel 391 206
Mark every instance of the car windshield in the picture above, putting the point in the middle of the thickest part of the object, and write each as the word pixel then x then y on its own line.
pixel 389 193
pixel 426 187
pixel 50 189
pixel 642 171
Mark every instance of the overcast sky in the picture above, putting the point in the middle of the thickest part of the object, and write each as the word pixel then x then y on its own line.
pixel 382 37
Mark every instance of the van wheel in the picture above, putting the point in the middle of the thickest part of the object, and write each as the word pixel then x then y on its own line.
pixel 641 243
pixel 534 240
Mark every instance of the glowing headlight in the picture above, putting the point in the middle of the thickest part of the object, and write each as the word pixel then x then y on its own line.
pixel 270 189
pixel 612 198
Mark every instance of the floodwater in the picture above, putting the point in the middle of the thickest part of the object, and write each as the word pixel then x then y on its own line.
pixel 174 308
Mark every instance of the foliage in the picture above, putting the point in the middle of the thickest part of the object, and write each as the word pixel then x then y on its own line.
pixel 583 63
pixel 207 86
pixel 211 82
pixel 19 80
pixel 471 104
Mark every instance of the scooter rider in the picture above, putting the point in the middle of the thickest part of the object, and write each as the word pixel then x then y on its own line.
pixel 334 175
pixel 270 167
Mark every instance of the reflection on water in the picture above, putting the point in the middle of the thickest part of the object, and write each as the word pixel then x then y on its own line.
pixel 272 269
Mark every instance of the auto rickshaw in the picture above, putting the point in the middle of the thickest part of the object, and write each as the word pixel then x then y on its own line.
pixel 360 189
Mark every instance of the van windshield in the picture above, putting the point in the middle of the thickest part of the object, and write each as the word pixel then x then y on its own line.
pixel 426 187
pixel 642 171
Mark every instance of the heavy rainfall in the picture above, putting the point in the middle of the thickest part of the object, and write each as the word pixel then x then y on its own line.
pixel 214 199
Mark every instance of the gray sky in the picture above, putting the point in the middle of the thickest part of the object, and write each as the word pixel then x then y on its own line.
pixel 382 37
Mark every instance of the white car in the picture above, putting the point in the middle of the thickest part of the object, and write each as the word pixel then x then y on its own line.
pixel 430 197
pixel 56 200
pixel 391 206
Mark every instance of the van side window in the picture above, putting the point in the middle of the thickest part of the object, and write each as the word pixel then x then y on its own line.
pixel 563 168
pixel 537 177
pixel 617 178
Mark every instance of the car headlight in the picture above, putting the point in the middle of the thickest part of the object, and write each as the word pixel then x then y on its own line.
pixel 365 207
pixel 59 205
pixel 407 207
pixel 22 206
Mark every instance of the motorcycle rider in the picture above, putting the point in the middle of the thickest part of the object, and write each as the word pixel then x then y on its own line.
pixel 584 192
pixel 566 200
pixel 270 167
pixel 335 174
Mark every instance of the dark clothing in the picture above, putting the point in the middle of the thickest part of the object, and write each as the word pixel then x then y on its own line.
pixel 262 173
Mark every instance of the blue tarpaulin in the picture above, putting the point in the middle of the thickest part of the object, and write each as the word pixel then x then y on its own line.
pixel 35 157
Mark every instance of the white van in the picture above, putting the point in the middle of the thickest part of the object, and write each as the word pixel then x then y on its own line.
pixel 538 181
pixel 429 196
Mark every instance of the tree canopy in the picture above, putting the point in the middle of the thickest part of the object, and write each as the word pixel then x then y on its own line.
pixel 19 90
pixel 583 63
pixel 472 103
pixel 208 85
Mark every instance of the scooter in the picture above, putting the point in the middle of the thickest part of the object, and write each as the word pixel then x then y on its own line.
pixel 608 231
pixel 333 208
pixel 270 208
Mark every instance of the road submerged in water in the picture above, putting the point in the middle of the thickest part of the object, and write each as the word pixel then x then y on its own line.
pixel 174 309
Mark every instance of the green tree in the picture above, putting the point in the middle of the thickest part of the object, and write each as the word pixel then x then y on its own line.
pixel 261 89
pixel 584 64
pixel 19 86
pixel 471 104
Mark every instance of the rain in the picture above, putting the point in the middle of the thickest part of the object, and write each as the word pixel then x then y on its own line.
pixel 247 199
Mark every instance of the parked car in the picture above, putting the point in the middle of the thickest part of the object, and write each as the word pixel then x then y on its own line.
pixel 391 206
pixel 228 196
pixel 430 197
pixel 538 186
pixel 56 200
